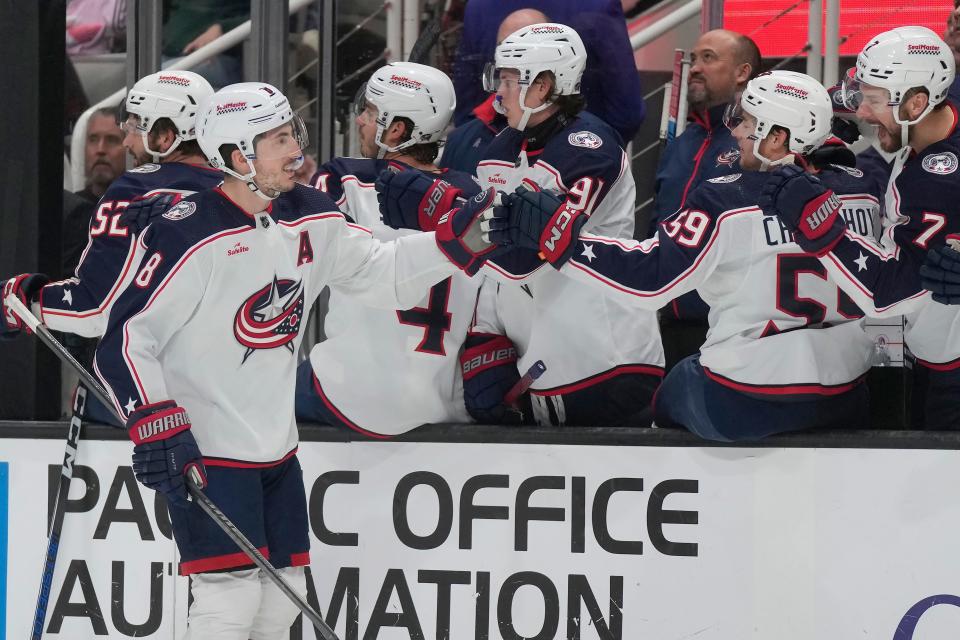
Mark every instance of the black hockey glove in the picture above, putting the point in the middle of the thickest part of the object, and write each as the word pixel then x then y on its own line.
pixel 165 450
pixel 538 220
pixel 463 233
pixel 25 287
pixel 806 207
pixel 941 272
pixel 413 199
pixel 489 366
pixel 141 211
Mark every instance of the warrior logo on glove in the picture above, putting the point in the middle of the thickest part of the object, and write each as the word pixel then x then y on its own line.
pixel 270 318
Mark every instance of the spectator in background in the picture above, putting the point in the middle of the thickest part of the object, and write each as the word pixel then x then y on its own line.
pixel 952 37
pixel 466 145
pixel 721 63
pixel 103 153
pixel 95 26
pixel 610 86
pixel 190 24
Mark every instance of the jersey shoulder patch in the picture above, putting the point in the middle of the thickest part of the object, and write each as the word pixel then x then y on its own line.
pixel 585 139
pixel 181 210
pixel 146 168
pixel 733 177
pixel 853 171
pixel 943 163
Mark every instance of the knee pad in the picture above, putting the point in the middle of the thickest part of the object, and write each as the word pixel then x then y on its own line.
pixel 277 612
pixel 224 604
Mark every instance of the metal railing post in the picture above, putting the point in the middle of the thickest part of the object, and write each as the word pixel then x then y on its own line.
pixel 831 44
pixel 267 61
pixel 144 38
pixel 815 39
pixel 327 81
pixel 394 30
pixel 411 25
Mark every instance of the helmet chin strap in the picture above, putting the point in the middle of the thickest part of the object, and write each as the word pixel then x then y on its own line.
pixel 528 111
pixel 157 155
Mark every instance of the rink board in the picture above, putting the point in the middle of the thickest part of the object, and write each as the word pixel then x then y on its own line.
pixel 493 540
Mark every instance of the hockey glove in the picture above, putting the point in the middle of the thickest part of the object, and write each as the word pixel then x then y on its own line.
pixel 941 272
pixel 489 366
pixel 141 211
pixel 805 207
pixel 165 450
pixel 541 221
pixel 413 199
pixel 463 233
pixel 25 287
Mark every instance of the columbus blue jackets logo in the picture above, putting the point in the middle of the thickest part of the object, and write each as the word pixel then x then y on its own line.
pixel 271 317
pixel 728 157
pixel 146 168
pixel 733 177
pixel 180 211
pixel 940 163
pixel 585 139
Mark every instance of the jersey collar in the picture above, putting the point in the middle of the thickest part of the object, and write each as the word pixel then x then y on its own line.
pixel 251 218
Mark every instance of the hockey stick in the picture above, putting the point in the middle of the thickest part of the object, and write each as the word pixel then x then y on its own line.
pixel 420 51
pixel 55 525
pixel 535 371
pixel 193 485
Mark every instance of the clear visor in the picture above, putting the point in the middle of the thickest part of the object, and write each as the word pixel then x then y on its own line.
pixel 360 100
pixel 493 78
pixel 128 121
pixel 286 141
pixel 735 115
pixel 856 94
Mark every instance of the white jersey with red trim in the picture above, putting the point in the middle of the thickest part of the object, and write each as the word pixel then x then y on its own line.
pixel 582 337
pixel 777 324
pixel 883 278
pixel 213 319
pixel 384 372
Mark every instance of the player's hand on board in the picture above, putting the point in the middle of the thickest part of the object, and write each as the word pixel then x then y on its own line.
pixel 165 450
pixel 24 287
pixel 413 200
pixel 805 206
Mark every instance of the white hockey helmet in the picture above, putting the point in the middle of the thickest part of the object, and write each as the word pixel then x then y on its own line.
pixel 899 60
pixel 175 95
pixel 787 99
pixel 236 115
pixel 422 94
pixel 534 49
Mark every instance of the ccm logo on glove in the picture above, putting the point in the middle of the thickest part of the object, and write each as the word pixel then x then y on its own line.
pixel 561 221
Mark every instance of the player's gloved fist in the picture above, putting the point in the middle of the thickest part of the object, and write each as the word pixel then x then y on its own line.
pixel 941 272
pixel 489 366
pixel 413 200
pixel 25 287
pixel 806 207
pixel 141 211
pixel 165 451
pixel 463 234
pixel 538 220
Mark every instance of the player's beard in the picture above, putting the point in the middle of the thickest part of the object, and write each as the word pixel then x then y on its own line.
pixel 891 140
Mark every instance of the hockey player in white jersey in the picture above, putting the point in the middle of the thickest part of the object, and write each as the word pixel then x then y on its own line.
pixel 407 359
pixel 604 360
pixel 785 349
pixel 211 325
pixel 900 86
